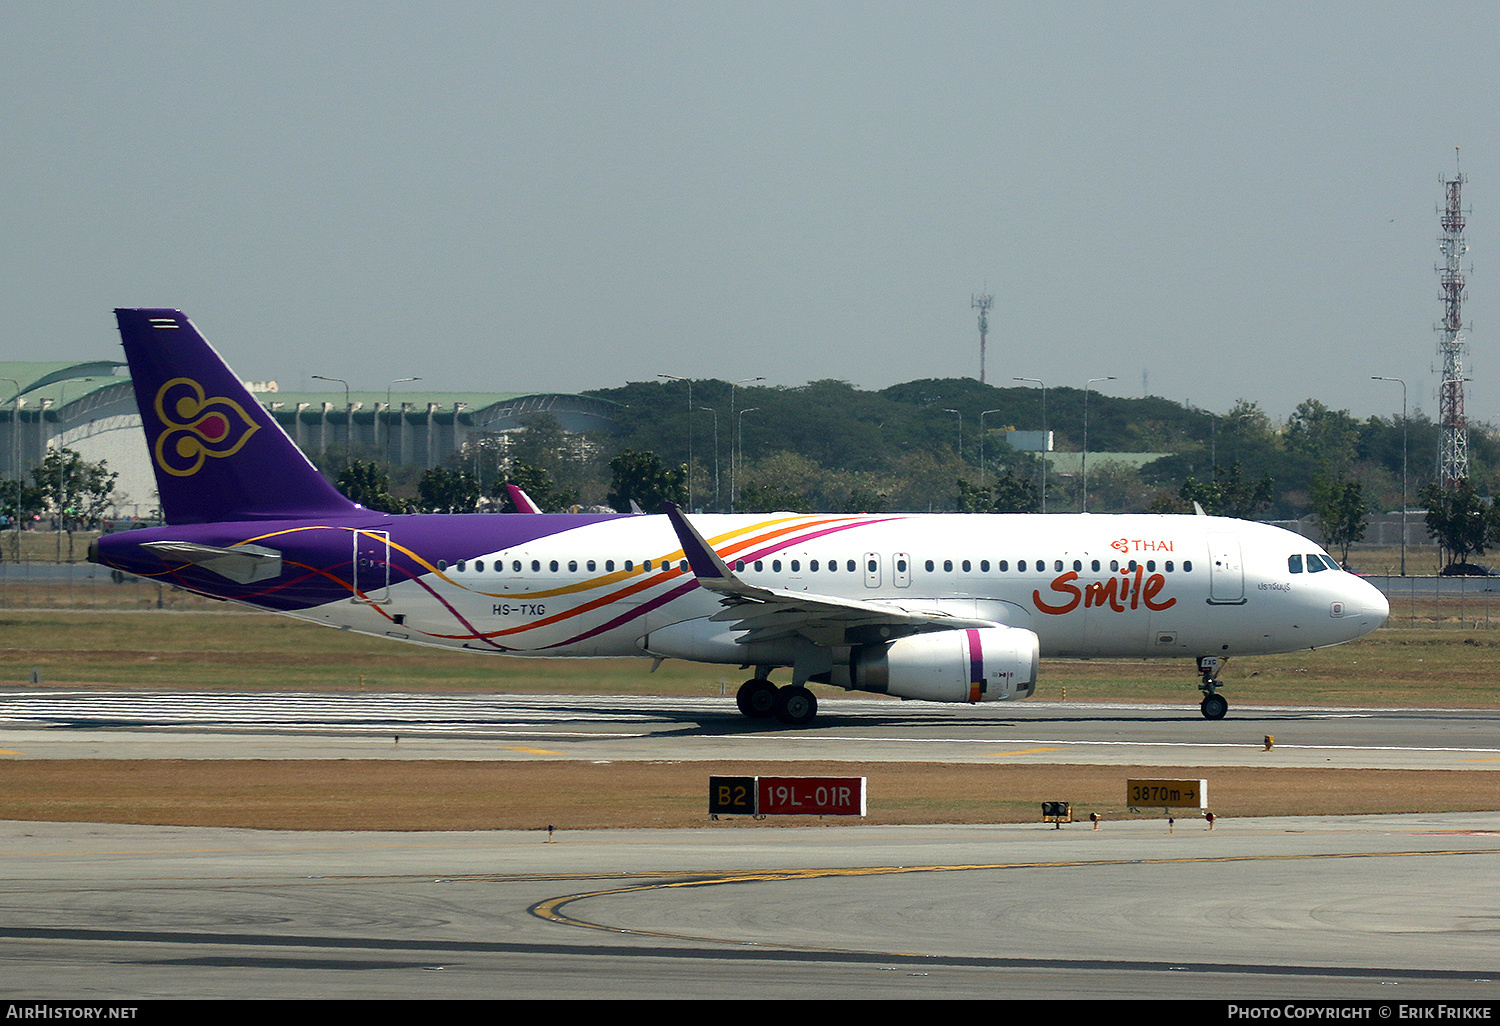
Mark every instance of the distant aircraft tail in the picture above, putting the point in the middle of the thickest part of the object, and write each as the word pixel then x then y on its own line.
pixel 217 453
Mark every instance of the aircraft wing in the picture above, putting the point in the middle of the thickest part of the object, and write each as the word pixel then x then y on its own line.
pixel 771 613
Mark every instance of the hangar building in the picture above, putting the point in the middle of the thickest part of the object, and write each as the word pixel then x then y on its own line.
pixel 90 408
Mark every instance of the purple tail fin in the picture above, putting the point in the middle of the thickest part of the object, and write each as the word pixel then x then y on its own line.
pixel 217 453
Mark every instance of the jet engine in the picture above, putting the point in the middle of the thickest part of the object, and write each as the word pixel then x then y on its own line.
pixel 982 664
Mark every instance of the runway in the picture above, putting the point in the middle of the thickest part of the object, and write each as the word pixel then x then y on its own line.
pixel 1379 908
pixel 94 724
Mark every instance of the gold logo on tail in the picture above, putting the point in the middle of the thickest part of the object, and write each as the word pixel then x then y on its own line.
pixel 197 427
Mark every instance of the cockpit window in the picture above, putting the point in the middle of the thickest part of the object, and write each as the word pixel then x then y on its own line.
pixel 1317 562
pixel 1294 563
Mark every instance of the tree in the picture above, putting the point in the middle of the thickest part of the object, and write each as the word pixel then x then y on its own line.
pixel 75 491
pixel 1009 494
pixel 769 498
pixel 1462 523
pixel 1229 495
pixel 448 491
pixel 1340 512
pixel 368 485
pixel 642 476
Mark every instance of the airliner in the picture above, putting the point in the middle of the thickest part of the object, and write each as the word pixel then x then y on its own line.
pixel 929 607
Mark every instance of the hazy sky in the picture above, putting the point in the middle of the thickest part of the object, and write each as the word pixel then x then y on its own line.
pixel 1209 201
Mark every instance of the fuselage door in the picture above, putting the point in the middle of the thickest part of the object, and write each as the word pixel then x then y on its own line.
pixel 372 566
pixel 872 570
pixel 901 569
pixel 1226 574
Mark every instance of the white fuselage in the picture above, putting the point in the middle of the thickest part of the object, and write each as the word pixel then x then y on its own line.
pixel 1087 585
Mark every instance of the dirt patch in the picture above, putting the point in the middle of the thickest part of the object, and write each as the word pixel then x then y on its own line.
pixel 454 795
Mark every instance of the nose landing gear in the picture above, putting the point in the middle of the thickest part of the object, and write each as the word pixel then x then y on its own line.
pixel 1214 705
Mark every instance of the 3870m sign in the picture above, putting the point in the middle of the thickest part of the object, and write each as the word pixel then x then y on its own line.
pixel 1168 794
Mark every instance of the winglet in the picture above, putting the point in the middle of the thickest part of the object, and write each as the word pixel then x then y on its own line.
pixel 521 500
pixel 706 564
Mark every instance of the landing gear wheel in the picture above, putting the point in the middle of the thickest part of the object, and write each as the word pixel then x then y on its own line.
pixel 1214 707
pixel 757 699
pixel 795 706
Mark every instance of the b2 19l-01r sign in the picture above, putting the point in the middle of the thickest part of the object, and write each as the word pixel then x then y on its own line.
pixel 934 607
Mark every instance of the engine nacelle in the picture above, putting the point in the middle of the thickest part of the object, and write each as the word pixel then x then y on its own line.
pixel 979 664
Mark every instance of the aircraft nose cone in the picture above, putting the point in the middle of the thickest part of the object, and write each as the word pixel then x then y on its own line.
pixel 1368 604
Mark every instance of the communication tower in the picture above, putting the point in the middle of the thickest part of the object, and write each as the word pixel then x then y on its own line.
pixel 982 303
pixel 1453 445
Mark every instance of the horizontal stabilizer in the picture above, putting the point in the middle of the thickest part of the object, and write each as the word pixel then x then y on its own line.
pixel 244 564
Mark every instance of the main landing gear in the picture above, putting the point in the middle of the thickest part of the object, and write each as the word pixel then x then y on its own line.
pixel 1214 705
pixel 793 705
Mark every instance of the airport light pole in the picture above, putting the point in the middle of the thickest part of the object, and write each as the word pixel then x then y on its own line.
pixel 62 488
pixel 734 495
pixel 960 433
pixel 1086 387
pixel 1402 383
pixel 1045 447
pixel 674 377
pixel 388 388
pixel 734 388
pixel 348 415
pixel 982 415
pixel 15 418
pixel 709 409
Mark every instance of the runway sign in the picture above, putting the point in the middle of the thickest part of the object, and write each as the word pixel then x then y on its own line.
pixel 1166 794
pixel 786 796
